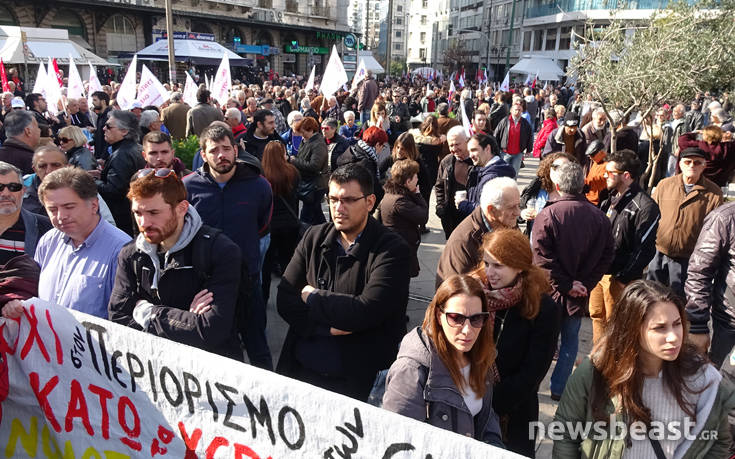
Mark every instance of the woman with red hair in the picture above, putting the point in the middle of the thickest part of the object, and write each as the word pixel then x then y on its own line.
pixel 365 153
pixel 313 165
pixel 526 325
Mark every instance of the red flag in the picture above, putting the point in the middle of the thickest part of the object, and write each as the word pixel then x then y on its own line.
pixel 3 77
pixel 58 73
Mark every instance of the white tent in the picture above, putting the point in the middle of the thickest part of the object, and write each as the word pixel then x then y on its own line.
pixel 370 63
pixel 196 51
pixel 43 44
pixel 546 68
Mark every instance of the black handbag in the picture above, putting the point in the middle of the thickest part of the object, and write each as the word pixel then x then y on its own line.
pixel 305 190
pixel 302 226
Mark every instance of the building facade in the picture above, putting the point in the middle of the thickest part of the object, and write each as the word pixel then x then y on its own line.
pixel 287 36
pixel 423 17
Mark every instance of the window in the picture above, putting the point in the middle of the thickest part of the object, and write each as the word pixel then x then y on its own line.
pixel 397 46
pixel 550 40
pixel 399 8
pixel 398 34
pixel 292 6
pixel 424 3
pixel 423 37
pixel 527 40
pixel 538 37
pixel 423 20
pixel 565 38
pixel 422 54
pixel 399 21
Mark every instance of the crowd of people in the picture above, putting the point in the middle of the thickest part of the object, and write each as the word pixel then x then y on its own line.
pixel 625 221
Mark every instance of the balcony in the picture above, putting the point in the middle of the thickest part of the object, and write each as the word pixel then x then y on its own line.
pixel 539 8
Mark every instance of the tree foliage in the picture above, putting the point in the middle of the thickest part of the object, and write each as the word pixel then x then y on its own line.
pixel 638 65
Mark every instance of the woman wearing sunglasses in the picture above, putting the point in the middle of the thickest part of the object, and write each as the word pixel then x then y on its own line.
pixel 442 375
pixel 526 327
pixel 73 142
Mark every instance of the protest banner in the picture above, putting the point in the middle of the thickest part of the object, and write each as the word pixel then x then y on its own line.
pixel 53 88
pixel 310 83
pixel 222 82
pixel 150 90
pixel 360 74
pixel 126 91
pixel 76 386
pixel 94 83
pixel 3 77
pixel 39 86
pixel 190 91
pixel 334 75
pixel 75 88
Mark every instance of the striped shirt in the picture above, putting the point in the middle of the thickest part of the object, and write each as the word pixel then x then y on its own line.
pixel 12 241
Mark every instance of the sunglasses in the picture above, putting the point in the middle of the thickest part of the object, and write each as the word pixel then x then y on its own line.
pixel 457 320
pixel 160 173
pixel 13 186
pixel 64 139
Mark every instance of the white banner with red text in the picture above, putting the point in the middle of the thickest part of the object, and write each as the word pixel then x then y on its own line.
pixel 75 386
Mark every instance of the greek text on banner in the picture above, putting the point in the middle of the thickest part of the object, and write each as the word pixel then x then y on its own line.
pixel 75 386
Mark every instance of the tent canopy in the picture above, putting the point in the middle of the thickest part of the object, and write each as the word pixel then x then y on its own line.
pixel 546 68
pixel 370 62
pixel 43 44
pixel 196 51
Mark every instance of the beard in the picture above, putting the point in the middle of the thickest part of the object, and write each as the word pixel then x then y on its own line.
pixel 223 167
pixel 9 209
pixel 158 235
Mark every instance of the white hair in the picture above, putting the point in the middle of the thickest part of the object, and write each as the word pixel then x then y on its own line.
pixel 305 103
pixel 234 113
pixel 493 193
pixel 290 119
pixel 457 131
pixel 347 114
pixel 148 117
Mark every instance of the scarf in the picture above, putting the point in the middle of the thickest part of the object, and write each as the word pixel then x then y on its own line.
pixel 500 300
pixel 366 149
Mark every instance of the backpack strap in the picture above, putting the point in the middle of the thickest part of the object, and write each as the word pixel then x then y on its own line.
pixel 202 251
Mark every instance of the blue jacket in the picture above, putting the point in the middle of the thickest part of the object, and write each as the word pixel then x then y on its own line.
pixel 242 209
pixel 479 176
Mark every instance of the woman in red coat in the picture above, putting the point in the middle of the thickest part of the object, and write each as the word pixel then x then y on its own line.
pixel 548 126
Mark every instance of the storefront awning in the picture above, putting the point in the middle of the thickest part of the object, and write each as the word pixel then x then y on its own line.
pixel 546 68
pixel 194 51
pixel 42 44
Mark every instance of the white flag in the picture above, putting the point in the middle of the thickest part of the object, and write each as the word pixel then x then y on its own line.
pixel 150 90
pixel 310 83
pixel 126 92
pixel 94 84
pixel 39 87
pixel 53 90
pixel 528 80
pixel 222 82
pixel 334 75
pixel 505 85
pixel 360 74
pixel 190 91
pixel 75 87
pixel 206 82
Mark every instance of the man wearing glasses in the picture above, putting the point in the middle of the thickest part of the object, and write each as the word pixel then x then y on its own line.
pixel 179 278
pixel 344 293
pixel 685 199
pixel 634 217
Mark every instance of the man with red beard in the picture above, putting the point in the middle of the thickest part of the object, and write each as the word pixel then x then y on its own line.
pixel 179 278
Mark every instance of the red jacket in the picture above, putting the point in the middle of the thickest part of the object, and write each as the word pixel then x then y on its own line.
pixel 543 134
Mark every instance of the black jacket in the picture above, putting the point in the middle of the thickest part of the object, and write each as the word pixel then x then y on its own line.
pixel 18 154
pixel 336 147
pixel 100 145
pixel 364 292
pixel 446 185
pixel 312 161
pixel 81 157
pixel 634 220
pixel 210 261
pixel 405 212
pixel 625 139
pixel 710 284
pixel 125 160
pixel 525 349
pixel 255 146
pixel 526 140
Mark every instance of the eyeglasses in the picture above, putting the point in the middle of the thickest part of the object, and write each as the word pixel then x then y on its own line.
pixel 457 320
pixel 693 162
pixel 13 186
pixel 348 200
pixel 64 139
pixel 613 172
pixel 160 173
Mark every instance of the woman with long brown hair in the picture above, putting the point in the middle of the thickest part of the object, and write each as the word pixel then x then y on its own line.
pixel 526 326
pixel 644 375
pixel 442 374
pixel 429 144
pixel 284 178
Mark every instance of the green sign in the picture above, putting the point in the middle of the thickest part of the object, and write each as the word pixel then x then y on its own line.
pixel 306 49
pixel 335 36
